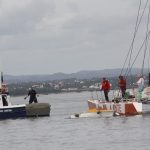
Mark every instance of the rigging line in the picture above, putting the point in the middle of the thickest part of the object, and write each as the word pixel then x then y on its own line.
pixel 136 29
pixel 130 58
pixel 138 52
pixel 146 43
pixel 149 59
pixel 148 55
pixel 142 13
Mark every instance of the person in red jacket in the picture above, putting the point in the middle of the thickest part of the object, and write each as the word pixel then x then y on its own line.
pixel 106 88
pixel 122 85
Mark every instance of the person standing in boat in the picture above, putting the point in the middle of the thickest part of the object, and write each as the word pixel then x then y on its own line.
pixel 140 84
pixel 122 85
pixel 4 89
pixel 4 92
pixel 105 86
pixel 32 95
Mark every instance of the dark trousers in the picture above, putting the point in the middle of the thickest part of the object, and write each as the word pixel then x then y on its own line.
pixel 106 95
pixel 123 93
pixel 33 99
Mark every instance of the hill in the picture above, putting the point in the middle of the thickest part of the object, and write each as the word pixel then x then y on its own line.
pixel 85 74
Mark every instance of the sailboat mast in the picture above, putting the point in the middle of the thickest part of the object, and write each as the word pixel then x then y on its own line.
pixel 149 79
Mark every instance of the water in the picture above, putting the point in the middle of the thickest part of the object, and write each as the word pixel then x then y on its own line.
pixel 59 133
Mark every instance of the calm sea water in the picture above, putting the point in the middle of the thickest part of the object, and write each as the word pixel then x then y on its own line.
pixel 59 133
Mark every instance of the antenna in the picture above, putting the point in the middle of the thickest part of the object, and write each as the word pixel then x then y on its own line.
pixel 2 80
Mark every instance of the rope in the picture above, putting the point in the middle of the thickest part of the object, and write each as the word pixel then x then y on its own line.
pixel 138 52
pixel 128 70
pixel 135 31
pixel 146 43
pixel 149 59
pixel 138 21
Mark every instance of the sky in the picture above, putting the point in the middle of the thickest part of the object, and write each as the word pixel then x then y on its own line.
pixel 50 36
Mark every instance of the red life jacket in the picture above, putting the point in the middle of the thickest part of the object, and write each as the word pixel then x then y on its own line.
pixel 105 85
pixel 122 84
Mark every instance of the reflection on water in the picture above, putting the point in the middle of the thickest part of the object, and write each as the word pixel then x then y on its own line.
pixel 58 133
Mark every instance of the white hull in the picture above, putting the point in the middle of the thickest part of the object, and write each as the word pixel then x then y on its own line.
pixel 122 108
pixel 93 114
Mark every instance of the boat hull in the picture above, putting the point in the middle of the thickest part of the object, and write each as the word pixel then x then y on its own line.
pixel 121 108
pixel 93 114
pixel 12 112
pixel 22 111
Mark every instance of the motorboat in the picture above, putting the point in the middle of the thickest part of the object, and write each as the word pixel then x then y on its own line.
pixel 8 110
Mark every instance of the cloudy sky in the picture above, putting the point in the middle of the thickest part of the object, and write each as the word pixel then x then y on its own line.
pixel 49 36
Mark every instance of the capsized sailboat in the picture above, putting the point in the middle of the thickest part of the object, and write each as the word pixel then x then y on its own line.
pixel 8 110
pixel 93 114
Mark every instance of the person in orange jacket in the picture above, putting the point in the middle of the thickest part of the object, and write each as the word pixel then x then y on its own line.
pixel 122 85
pixel 106 88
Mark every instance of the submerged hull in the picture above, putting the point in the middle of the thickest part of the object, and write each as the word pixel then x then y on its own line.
pixel 121 108
pixel 22 111
pixel 93 114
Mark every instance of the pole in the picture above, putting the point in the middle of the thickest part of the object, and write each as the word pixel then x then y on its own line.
pixel 1 80
pixel 149 79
